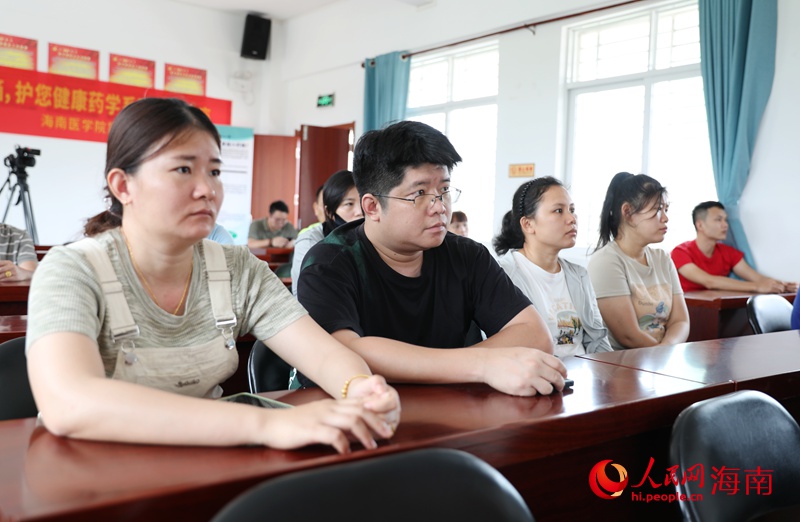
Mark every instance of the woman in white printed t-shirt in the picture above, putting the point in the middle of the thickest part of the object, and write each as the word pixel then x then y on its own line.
pixel 638 290
pixel 542 222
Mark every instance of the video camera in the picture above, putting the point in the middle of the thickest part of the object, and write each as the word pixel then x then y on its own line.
pixel 23 159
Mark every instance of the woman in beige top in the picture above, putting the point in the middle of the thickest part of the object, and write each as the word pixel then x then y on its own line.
pixel 131 331
pixel 637 286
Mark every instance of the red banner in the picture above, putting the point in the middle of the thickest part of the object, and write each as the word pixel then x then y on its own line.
pixel 17 52
pixel 131 71
pixel 43 104
pixel 184 79
pixel 73 61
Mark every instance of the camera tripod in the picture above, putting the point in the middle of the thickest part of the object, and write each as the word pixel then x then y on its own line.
pixel 25 197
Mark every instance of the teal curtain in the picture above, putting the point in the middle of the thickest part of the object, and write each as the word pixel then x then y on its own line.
pixel 385 89
pixel 737 45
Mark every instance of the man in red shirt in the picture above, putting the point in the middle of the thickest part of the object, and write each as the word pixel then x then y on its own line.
pixel 705 263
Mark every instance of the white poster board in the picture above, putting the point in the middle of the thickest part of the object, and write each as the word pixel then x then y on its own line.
pixel 237 178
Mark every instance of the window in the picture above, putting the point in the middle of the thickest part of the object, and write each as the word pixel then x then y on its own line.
pixel 456 93
pixel 635 103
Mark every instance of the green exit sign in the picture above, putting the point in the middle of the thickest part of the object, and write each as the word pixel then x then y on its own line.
pixel 325 100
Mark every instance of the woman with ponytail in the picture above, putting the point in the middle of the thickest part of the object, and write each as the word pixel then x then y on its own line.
pixel 638 290
pixel 132 329
pixel 540 224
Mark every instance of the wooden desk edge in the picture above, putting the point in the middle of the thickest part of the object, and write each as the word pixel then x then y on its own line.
pixel 717 301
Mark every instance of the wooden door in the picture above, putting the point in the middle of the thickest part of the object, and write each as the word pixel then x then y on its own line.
pixel 323 151
pixel 274 174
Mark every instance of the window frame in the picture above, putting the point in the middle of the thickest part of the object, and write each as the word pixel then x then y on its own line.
pixel 479 215
pixel 448 106
pixel 647 78
pixel 679 73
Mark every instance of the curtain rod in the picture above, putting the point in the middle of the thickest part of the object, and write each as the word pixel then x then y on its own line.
pixel 512 29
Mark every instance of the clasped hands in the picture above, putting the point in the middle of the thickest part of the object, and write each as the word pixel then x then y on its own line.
pixel 371 410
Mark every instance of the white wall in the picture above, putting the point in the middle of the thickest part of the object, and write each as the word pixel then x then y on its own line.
pixel 528 111
pixel 768 204
pixel 66 183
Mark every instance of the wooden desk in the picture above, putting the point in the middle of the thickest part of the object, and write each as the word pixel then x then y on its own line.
pixel 41 250
pixel 273 254
pixel 12 326
pixel 544 445
pixel 14 297
pixel 765 362
pixel 719 314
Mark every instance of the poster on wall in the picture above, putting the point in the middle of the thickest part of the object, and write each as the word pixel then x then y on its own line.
pixel 73 61
pixel 131 71
pixel 43 104
pixel 184 79
pixel 237 178
pixel 17 52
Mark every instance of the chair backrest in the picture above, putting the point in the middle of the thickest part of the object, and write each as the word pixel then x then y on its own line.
pixel 284 270
pixel 769 313
pixel 423 485
pixel 743 431
pixel 265 370
pixel 16 399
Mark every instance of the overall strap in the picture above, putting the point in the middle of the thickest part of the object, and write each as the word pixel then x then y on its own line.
pixel 120 320
pixel 219 288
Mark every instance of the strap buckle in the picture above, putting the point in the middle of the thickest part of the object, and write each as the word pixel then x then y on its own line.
pixel 226 327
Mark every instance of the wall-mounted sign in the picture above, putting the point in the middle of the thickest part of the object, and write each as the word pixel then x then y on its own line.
pixel 237 178
pixel 521 170
pixel 43 104
pixel 131 71
pixel 325 100
pixel 73 61
pixel 187 80
pixel 17 52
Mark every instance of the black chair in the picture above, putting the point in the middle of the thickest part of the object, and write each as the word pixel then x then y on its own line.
pixel 424 485
pixel 769 313
pixel 16 399
pixel 265 370
pixel 284 270
pixel 743 430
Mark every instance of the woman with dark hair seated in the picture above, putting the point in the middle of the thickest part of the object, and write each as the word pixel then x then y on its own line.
pixel 540 224
pixel 341 204
pixel 132 329
pixel 638 290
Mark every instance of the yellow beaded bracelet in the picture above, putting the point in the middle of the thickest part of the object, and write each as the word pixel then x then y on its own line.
pixel 351 379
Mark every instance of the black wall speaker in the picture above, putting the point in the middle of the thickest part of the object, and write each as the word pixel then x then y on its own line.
pixel 256 37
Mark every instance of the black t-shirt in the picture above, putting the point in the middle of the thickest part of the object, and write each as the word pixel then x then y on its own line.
pixel 344 284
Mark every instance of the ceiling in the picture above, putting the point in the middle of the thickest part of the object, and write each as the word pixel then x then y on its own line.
pixel 278 9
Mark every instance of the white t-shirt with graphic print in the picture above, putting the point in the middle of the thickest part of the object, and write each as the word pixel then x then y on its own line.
pixel 561 318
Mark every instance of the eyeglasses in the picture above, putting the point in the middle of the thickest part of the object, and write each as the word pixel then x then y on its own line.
pixel 448 197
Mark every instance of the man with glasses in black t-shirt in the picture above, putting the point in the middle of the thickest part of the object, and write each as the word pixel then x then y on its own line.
pixel 396 287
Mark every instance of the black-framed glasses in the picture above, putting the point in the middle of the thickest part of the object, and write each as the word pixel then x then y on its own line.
pixel 448 197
